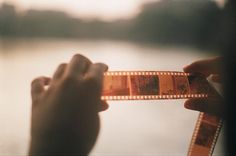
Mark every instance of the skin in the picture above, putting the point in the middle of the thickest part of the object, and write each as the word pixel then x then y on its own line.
pixel 65 118
pixel 212 66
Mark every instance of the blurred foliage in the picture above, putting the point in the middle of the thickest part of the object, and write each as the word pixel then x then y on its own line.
pixel 195 22
pixel 189 22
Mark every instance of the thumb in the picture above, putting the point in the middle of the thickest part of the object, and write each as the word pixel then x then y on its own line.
pixel 213 106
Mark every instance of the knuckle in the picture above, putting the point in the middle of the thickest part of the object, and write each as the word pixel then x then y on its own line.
pixel 62 65
pixel 69 80
pixel 76 56
pixel 33 82
pixel 102 66
pixel 79 57
pixel 91 80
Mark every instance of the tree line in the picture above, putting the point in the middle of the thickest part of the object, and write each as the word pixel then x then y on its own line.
pixel 195 22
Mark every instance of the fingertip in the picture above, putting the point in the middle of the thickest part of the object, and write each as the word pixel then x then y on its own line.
pixel 104 106
pixel 187 104
pixel 186 69
pixel 78 65
pixel 106 69
pixel 40 81
pixel 38 86
pixel 192 68
pixel 60 71
pixel 194 104
pixel 79 57
pixel 103 66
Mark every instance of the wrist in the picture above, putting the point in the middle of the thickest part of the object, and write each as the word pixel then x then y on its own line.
pixel 57 145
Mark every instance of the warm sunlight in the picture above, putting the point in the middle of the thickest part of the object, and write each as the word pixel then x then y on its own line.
pixel 105 9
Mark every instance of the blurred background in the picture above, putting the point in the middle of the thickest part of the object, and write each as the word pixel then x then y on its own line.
pixel 36 36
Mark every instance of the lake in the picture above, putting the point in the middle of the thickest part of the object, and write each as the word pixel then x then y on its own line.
pixel 162 127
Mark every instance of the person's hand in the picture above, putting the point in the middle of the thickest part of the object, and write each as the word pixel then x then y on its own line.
pixel 65 117
pixel 207 67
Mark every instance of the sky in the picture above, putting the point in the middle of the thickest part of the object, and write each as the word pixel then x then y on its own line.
pixel 103 9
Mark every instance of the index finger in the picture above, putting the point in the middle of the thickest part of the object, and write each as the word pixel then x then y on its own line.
pixel 206 67
pixel 95 73
pixel 78 65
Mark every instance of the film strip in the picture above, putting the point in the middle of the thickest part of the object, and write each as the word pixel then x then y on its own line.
pixel 206 132
pixel 156 85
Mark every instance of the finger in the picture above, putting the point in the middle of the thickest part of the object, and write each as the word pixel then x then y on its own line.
pixel 37 86
pixel 216 78
pixel 60 71
pixel 206 67
pixel 96 73
pixel 103 106
pixel 209 105
pixel 78 66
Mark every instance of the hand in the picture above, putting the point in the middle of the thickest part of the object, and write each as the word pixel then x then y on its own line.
pixel 207 67
pixel 65 117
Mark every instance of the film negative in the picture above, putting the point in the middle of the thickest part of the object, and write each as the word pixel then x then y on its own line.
pixel 206 132
pixel 151 85
pixel 157 85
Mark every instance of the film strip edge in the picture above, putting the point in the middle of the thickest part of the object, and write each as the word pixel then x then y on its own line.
pixel 192 151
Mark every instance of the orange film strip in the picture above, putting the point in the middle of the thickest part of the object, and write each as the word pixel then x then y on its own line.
pixel 206 132
pixel 151 85
pixel 156 85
